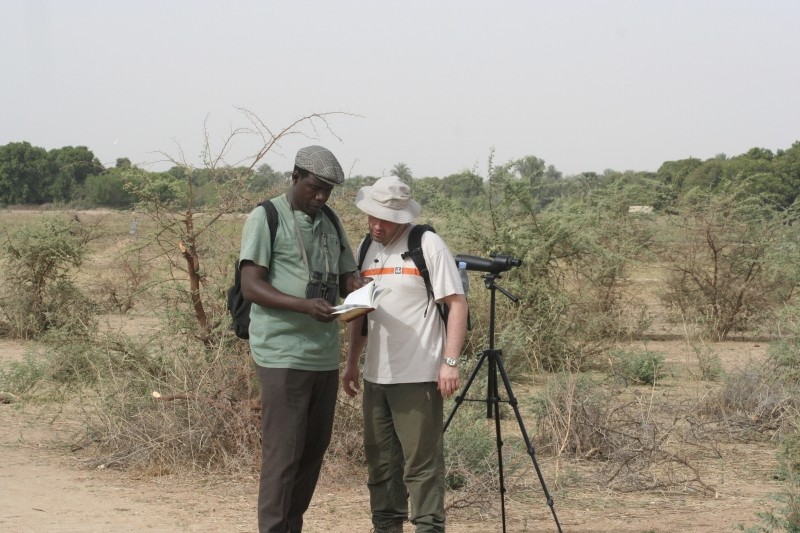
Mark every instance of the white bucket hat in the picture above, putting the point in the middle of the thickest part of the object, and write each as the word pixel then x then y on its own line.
pixel 389 198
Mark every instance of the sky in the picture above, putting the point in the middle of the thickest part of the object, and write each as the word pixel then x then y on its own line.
pixel 440 85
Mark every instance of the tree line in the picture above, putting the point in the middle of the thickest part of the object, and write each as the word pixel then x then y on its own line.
pixel 74 176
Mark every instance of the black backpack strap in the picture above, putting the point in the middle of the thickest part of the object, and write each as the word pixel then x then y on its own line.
pixel 362 253
pixel 239 307
pixel 272 223
pixel 416 255
pixel 272 220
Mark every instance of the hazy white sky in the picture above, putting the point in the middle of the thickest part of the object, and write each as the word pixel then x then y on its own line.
pixel 584 85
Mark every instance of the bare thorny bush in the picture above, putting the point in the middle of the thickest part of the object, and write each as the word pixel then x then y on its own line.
pixel 185 231
pixel 637 441
pixel 135 277
pixel 731 262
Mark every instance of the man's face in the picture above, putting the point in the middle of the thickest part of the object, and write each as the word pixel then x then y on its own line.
pixel 383 231
pixel 309 194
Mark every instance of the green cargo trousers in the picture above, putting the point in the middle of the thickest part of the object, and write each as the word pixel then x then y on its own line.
pixel 403 444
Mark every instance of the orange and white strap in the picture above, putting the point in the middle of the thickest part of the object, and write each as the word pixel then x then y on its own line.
pixel 388 270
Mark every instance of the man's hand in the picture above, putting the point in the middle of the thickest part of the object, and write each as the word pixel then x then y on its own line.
pixel 353 281
pixel 320 309
pixel 350 380
pixel 448 380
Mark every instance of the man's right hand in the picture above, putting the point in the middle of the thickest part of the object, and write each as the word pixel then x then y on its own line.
pixel 320 309
pixel 350 380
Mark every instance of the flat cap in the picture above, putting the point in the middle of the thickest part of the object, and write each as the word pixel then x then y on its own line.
pixel 320 162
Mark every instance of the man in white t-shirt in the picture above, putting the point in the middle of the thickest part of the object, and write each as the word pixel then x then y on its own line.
pixel 411 362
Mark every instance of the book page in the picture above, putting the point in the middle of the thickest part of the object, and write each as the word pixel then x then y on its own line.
pixel 358 298
pixel 367 297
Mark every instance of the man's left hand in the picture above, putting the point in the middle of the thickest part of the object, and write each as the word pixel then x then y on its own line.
pixel 354 281
pixel 448 380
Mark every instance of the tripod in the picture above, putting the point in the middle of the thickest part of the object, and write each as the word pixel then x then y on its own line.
pixel 495 361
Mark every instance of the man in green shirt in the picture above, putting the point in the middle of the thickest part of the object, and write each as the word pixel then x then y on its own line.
pixel 294 340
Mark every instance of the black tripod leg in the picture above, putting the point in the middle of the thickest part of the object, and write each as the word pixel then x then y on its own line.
pixel 460 398
pixel 512 400
pixel 493 395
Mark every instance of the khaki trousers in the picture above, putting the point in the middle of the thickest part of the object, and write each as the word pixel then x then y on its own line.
pixel 403 444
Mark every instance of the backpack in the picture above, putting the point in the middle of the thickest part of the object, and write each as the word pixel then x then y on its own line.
pixel 238 307
pixel 415 253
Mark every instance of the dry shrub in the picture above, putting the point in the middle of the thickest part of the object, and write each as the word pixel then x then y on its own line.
pixel 177 405
pixel 727 263
pixel 639 443
pixel 757 399
pixel 132 277
pixel 38 293
pixel 751 401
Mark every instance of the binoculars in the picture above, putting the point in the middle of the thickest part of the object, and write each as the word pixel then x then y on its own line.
pixel 323 286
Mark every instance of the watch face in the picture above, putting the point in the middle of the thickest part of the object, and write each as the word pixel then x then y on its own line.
pixel 450 361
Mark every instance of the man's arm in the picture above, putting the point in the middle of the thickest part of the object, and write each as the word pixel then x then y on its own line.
pixel 351 374
pixel 456 331
pixel 257 290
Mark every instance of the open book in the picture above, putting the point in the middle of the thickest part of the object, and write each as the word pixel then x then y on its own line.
pixel 360 302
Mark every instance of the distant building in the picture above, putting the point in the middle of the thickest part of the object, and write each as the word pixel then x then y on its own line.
pixel 645 209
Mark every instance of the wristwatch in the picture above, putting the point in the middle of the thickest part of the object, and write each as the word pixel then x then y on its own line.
pixel 449 361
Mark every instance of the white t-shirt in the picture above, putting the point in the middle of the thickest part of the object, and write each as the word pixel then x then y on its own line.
pixel 406 335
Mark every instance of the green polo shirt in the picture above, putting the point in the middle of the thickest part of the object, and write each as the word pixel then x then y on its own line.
pixel 287 339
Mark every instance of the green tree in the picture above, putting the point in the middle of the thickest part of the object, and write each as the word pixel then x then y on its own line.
pixel 786 168
pixel 111 188
pixel 466 188
pixel 674 172
pixel 70 168
pixel 402 171
pixel 427 190
pixel 24 174
pixel 632 188
pixel 266 179
pixel 742 167
pixel 529 173
pixel 707 175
